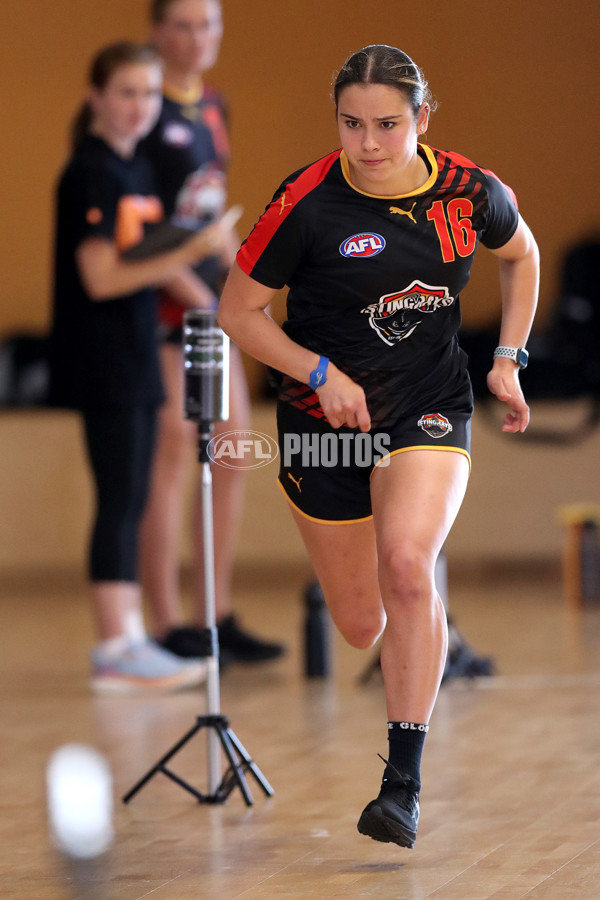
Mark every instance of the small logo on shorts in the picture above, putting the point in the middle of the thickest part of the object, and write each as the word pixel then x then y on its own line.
pixel 435 425
pixel 297 483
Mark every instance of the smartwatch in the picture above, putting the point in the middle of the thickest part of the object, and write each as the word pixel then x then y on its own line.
pixel 519 355
pixel 318 376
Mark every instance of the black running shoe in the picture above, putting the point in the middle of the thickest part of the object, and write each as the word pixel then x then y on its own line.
pixel 393 817
pixel 190 642
pixel 243 646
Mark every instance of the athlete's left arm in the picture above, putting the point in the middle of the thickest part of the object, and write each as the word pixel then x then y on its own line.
pixel 519 263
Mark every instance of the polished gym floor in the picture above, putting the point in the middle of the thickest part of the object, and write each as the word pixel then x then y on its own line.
pixel 511 798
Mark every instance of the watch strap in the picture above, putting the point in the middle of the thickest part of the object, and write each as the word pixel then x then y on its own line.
pixel 518 355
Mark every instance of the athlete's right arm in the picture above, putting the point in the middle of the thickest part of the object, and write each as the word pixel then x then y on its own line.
pixel 243 316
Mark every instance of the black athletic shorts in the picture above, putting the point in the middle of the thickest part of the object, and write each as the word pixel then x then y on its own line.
pixel 325 472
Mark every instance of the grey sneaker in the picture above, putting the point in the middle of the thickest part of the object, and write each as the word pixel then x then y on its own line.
pixel 144 667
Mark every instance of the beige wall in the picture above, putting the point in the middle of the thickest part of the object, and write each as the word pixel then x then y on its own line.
pixel 510 511
pixel 517 82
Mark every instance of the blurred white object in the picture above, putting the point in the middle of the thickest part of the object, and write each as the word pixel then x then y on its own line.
pixel 80 801
pixel 203 195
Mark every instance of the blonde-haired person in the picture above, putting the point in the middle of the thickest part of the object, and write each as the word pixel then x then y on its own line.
pixel 376 241
pixel 189 149
pixel 104 360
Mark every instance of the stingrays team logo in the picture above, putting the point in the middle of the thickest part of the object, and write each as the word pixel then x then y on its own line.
pixel 435 425
pixel 396 316
pixel 364 244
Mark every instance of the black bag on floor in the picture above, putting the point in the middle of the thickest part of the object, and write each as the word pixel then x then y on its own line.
pixel 24 370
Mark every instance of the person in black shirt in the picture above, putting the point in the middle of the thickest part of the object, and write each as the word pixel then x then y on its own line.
pixel 189 150
pixel 104 359
pixel 375 242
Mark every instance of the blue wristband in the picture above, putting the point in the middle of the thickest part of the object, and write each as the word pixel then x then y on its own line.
pixel 318 376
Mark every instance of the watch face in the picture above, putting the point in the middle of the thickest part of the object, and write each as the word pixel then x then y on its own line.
pixel 522 358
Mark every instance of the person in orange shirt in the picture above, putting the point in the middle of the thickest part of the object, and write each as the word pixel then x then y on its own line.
pixel 103 356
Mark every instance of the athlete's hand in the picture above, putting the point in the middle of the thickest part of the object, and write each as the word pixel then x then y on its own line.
pixel 343 401
pixel 503 381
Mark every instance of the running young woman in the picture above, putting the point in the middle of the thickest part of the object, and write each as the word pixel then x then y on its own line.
pixel 189 149
pixel 104 358
pixel 375 242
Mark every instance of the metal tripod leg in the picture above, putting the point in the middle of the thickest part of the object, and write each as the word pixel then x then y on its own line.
pixel 234 748
pixel 239 764
pixel 161 764
pixel 219 734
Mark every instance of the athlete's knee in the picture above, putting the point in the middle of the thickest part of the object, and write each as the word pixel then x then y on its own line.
pixel 405 576
pixel 363 638
pixel 361 631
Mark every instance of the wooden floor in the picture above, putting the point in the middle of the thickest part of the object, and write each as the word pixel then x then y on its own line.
pixel 511 798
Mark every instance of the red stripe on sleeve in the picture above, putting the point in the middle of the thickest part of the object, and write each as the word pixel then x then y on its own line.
pixel 280 208
pixel 469 164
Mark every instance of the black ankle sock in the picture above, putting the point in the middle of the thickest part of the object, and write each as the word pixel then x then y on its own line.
pixel 406 741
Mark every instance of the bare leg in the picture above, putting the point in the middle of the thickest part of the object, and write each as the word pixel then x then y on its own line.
pixel 370 571
pixel 124 659
pixel 345 562
pixel 114 602
pixel 415 501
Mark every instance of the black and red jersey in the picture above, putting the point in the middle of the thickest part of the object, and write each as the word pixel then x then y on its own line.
pixel 103 352
pixel 189 150
pixel 374 282
pixel 191 134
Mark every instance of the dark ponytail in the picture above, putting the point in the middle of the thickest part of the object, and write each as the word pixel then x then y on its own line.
pixel 81 125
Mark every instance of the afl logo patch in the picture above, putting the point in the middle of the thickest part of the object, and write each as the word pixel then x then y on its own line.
pixel 435 425
pixel 177 134
pixel 362 245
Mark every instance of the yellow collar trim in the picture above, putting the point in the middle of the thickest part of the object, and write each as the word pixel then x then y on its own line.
pixel 181 96
pixel 430 159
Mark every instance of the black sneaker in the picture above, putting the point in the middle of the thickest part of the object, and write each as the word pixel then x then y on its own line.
pixel 243 646
pixel 190 642
pixel 393 817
